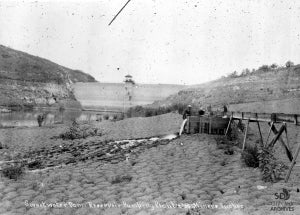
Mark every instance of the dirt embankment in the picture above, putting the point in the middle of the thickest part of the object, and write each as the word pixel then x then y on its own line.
pixel 271 87
pixel 27 80
pixel 19 94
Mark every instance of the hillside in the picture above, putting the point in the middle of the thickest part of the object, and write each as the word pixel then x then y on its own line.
pixel 29 80
pixel 270 91
pixel 114 95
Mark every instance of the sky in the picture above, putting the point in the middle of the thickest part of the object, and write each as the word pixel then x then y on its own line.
pixel 156 41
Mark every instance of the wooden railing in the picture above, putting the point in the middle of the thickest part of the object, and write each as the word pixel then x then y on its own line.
pixel 266 117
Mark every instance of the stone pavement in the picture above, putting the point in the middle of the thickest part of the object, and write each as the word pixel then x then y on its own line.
pixel 162 180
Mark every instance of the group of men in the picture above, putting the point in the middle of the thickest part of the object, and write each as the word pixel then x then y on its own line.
pixel 188 112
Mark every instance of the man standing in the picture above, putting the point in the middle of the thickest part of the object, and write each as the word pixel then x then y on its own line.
pixel 185 117
pixel 225 110
pixel 201 112
pixel 40 119
pixel 187 112
pixel 209 110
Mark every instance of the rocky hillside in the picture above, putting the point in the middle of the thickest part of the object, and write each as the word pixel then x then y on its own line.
pixel 276 90
pixel 27 80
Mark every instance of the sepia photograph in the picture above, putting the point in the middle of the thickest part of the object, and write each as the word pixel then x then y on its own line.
pixel 149 107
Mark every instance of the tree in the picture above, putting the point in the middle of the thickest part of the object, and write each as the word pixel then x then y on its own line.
pixel 264 68
pixel 245 72
pixel 274 66
pixel 289 64
pixel 233 74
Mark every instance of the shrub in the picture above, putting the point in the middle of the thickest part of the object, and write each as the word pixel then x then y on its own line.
pixel 121 116
pixel 14 104
pixel 78 132
pixel 229 151
pixel 149 113
pixel 233 75
pixel 138 108
pixel 245 72
pixel 106 116
pixel 263 157
pixel 139 111
pixel 289 64
pixel 28 106
pixel 274 66
pixel 270 167
pixel 129 113
pixel 13 170
pixel 3 146
pixel 241 126
pixel 6 56
pixel 264 68
pixel 120 179
pixel 180 107
pixel 251 156
pixel 36 164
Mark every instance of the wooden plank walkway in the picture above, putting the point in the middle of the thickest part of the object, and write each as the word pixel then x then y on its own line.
pixel 266 117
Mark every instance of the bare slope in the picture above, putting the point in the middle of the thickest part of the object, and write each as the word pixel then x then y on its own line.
pixel 271 91
pixel 29 80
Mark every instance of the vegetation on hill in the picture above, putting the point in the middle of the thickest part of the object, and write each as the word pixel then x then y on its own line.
pixel 27 81
pixel 140 111
pixel 268 83
pixel 17 65
pixel 264 68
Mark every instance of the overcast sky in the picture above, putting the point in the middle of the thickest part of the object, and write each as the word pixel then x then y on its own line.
pixel 156 41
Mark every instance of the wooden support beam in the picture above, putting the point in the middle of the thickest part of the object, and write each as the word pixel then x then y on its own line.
pixel 229 124
pixel 287 138
pixel 271 125
pixel 209 129
pixel 266 117
pixel 278 137
pixel 200 125
pixel 245 137
pixel 261 138
pixel 293 161
pixel 189 125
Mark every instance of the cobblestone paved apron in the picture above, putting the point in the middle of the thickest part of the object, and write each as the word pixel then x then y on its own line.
pixel 185 171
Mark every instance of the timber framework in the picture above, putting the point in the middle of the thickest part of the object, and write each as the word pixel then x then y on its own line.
pixel 220 123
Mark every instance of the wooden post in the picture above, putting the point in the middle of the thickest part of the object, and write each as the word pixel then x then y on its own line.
pixel 271 125
pixel 245 137
pixel 189 124
pixel 287 138
pixel 227 129
pixel 293 161
pixel 261 138
pixel 200 125
pixel 209 130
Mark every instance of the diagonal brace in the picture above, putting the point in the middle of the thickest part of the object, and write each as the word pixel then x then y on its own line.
pixel 278 137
